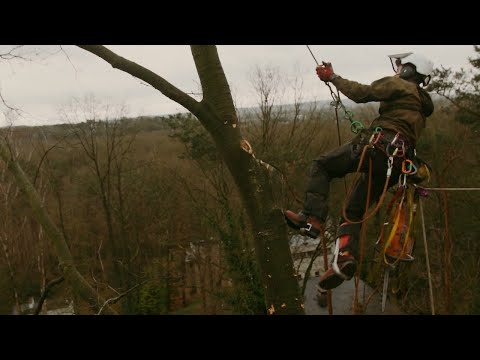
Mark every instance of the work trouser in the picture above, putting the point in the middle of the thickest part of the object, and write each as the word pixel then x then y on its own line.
pixel 342 161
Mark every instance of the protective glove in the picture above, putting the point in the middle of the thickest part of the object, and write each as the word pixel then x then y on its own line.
pixel 325 72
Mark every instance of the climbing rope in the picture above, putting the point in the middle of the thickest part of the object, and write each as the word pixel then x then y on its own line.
pixel 447 189
pixel 429 274
pixel 245 145
pixel 355 126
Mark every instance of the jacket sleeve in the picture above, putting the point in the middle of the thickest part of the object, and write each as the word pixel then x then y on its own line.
pixel 380 90
pixel 427 103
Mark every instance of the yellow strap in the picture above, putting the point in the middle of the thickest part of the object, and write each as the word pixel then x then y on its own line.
pixel 394 229
pixel 410 197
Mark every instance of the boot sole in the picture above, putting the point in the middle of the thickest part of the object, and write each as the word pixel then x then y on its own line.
pixel 291 223
pixel 336 280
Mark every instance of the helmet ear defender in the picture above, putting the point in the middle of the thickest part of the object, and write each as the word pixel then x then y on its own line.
pixel 408 72
pixel 416 67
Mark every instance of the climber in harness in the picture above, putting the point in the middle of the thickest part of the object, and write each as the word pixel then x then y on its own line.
pixel 386 144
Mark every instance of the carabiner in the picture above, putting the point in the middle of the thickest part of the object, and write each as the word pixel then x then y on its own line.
pixel 390 166
pixel 356 127
pixel 410 166
pixel 401 150
pixel 348 114
pixel 395 139
pixel 387 150
pixel 402 180
pixel 379 135
pixel 414 170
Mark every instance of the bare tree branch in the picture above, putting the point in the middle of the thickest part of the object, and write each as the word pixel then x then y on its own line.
pixel 459 105
pixel 11 54
pixel 68 58
pixel 144 74
pixel 44 295
pixel 115 299
pixel 45 153
pixel 9 107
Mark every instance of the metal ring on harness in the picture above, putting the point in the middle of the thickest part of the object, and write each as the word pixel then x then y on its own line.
pixel 348 114
pixel 387 150
pixel 404 165
pixel 399 151
pixel 356 127
pixel 374 140
pixel 415 170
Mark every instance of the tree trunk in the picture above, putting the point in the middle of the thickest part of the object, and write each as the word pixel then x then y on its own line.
pixel 282 294
pixel 217 114
pixel 67 266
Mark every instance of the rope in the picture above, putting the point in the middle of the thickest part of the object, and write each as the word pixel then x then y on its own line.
pixel 366 215
pixel 324 242
pixel 245 145
pixel 340 141
pixel 363 237
pixel 430 287
pixel 325 268
pixel 448 189
pixel 337 102
pixel 355 126
pixel 308 47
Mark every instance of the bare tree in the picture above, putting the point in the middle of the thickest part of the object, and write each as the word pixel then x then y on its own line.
pixel 67 265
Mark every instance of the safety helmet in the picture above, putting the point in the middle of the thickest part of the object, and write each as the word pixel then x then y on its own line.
pixel 423 66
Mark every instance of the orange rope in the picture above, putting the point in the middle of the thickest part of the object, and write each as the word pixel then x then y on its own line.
pixel 363 237
pixel 366 216
pixel 325 267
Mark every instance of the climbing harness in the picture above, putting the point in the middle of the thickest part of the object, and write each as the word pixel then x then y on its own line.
pixel 398 245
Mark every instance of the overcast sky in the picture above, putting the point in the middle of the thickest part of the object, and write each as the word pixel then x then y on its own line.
pixel 41 88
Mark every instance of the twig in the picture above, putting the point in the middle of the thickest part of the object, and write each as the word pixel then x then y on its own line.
pixel 68 58
pixel 10 55
pixel 11 108
pixel 115 299
pixel 45 293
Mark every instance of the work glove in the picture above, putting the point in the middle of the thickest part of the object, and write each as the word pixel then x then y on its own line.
pixel 325 72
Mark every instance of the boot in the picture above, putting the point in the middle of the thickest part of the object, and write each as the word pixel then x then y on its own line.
pixel 343 266
pixel 308 225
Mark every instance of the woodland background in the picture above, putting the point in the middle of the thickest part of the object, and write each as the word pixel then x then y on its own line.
pixel 154 221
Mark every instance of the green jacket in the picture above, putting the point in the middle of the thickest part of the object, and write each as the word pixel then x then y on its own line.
pixel 404 106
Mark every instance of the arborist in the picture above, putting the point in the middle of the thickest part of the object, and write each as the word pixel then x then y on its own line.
pixel 386 150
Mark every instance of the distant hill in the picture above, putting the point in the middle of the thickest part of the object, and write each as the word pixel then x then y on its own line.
pixel 290 107
pixel 349 104
pixel 154 122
